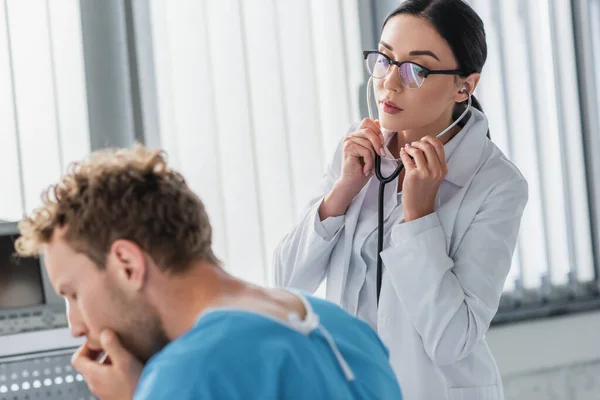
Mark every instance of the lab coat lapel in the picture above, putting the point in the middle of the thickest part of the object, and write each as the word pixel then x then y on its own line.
pixel 462 167
pixel 366 203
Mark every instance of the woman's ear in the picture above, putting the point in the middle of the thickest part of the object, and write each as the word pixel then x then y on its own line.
pixel 469 84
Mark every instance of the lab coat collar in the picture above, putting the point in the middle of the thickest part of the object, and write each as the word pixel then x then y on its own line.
pixel 463 154
pixel 464 159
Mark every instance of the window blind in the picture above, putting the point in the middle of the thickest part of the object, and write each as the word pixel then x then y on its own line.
pixel 43 112
pixel 254 97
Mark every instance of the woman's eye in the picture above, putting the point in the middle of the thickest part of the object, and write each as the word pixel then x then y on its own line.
pixel 417 71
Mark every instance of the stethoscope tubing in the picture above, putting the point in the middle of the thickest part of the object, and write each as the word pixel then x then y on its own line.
pixel 383 180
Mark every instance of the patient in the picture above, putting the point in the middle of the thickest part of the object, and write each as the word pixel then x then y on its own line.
pixel 128 245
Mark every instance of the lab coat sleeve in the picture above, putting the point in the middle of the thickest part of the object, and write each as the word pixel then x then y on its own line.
pixel 451 301
pixel 302 256
pixel 329 227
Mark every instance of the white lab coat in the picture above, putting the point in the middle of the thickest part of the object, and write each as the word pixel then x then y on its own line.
pixel 443 273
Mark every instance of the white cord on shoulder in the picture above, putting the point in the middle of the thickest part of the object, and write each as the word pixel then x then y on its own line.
pixel 311 323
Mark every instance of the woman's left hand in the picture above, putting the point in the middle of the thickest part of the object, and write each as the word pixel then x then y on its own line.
pixel 425 172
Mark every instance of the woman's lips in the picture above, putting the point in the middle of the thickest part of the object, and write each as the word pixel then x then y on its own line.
pixel 390 107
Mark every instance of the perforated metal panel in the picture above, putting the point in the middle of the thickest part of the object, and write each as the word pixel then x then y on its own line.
pixel 47 376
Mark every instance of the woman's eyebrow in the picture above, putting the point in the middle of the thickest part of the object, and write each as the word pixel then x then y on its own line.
pixel 412 53
pixel 387 46
pixel 424 53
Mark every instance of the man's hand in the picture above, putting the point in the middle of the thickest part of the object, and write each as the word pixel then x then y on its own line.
pixel 117 378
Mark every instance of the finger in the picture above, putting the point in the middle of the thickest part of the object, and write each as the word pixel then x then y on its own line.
pixel 84 352
pixel 439 149
pixel 376 140
pixel 418 156
pixel 363 141
pixel 409 163
pixel 368 159
pixel 431 156
pixel 360 147
pixel 114 349
pixel 373 135
pixel 376 129
pixel 365 122
pixel 84 361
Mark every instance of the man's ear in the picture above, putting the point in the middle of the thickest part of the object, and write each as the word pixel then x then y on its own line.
pixel 127 264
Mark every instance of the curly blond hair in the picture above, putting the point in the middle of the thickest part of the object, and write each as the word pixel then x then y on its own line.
pixel 127 194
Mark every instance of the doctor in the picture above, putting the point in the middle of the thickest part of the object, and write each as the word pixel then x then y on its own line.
pixel 450 226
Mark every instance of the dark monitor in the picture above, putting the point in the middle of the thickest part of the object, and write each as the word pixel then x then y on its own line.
pixel 20 278
pixel 27 299
pixel 35 342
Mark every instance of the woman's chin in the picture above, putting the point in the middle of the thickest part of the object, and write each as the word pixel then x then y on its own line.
pixel 391 123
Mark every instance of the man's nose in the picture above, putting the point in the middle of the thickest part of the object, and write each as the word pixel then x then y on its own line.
pixel 76 325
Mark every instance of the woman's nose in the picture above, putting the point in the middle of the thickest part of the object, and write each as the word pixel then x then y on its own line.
pixel 391 81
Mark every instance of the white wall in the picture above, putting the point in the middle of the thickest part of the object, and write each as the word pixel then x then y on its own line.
pixel 557 358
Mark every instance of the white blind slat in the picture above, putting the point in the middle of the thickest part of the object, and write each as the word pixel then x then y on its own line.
pixel 356 71
pixel 69 74
pixel 11 200
pixel 572 140
pixel 269 126
pixel 332 73
pixel 533 251
pixel 302 103
pixel 595 28
pixel 187 105
pixel 491 92
pixel 165 36
pixel 41 63
pixel 34 97
pixel 233 112
pixel 549 150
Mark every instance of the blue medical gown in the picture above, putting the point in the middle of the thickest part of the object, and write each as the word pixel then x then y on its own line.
pixel 235 354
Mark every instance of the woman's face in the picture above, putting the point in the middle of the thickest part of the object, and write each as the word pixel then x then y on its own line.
pixel 409 38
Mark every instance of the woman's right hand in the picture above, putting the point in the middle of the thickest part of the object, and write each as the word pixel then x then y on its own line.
pixel 358 165
pixel 358 160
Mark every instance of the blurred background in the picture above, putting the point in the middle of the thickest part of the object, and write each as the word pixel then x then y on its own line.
pixel 249 99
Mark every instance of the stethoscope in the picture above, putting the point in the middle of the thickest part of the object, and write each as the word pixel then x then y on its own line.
pixel 383 180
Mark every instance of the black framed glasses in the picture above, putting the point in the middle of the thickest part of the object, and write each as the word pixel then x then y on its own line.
pixel 412 75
